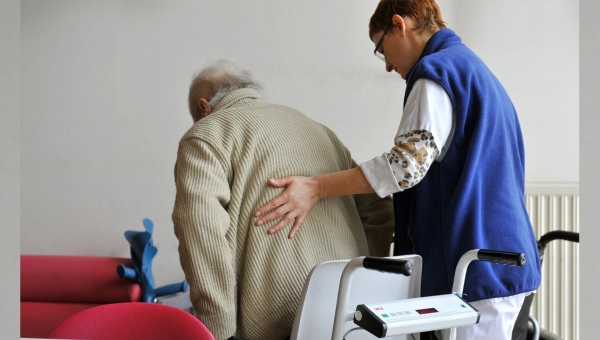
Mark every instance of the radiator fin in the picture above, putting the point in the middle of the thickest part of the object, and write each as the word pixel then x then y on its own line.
pixel 556 305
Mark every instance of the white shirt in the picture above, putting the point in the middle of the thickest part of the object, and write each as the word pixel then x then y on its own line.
pixel 424 134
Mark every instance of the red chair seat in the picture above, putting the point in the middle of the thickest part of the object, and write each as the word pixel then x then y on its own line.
pixel 40 318
pixel 131 321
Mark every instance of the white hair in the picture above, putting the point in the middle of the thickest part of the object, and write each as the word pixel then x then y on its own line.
pixel 220 78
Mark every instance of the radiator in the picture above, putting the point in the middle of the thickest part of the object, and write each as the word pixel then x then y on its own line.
pixel 556 304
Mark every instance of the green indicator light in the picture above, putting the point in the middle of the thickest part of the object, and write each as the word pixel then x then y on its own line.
pixel 463 306
pixel 385 315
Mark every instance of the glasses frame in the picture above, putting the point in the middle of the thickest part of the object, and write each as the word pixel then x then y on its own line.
pixel 376 52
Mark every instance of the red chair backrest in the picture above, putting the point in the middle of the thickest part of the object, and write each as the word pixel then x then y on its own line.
pixel 131 321
pixel 76 279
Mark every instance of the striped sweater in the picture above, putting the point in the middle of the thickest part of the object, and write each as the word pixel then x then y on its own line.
pixel 244 281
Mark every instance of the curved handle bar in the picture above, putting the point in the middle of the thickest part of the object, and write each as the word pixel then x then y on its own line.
pixel 383 264
pixel 494 256
pixel 557 235
pixel 342 314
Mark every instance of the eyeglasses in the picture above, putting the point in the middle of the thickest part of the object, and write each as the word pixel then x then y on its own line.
pixel 376 52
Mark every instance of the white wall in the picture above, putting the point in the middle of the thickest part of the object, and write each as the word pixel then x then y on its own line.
pixel 104 83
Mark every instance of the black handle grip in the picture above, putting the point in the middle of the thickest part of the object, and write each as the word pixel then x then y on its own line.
pixel 555 235
pixel 502 257
pixel 383 264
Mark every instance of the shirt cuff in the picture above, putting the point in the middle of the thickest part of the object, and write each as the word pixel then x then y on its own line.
pixel 380 176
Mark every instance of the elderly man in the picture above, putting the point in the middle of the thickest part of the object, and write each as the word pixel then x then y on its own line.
pixel 244 282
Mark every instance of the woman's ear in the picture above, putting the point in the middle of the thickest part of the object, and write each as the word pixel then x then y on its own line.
pixel 399 22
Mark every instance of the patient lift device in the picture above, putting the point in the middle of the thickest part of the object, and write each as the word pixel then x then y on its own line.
pixel 386 293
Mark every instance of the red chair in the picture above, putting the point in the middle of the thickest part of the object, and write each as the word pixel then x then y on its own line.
pixel 55 287
pixel 132 321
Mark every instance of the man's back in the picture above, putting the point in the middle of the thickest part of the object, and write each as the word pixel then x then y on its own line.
pixel 223 164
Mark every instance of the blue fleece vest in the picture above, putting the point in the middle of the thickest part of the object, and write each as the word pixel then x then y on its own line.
pixel 474 198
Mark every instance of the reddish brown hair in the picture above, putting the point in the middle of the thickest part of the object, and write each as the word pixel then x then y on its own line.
pixel 426 14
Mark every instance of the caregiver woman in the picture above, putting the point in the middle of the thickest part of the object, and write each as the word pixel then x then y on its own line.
pixel 456 169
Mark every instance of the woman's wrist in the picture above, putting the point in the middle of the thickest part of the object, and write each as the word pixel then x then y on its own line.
pixel 317 181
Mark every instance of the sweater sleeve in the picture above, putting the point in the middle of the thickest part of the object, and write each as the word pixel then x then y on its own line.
pixel 377 217
pixel 201 224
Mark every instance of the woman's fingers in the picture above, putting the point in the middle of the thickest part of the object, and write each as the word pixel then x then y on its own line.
pixel 280 182
pixel 267 207
pixel 274 203
pixel 292 205
pixel 287 219
pixel 296 227
pixel 275 214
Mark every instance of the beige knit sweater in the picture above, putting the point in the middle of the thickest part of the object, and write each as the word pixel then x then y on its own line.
pixel 244 281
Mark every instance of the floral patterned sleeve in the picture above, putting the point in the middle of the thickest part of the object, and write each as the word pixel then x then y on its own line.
pixel 423 137
pixel 411 157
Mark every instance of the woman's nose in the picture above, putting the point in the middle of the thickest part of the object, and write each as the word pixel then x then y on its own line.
pixel 389 67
